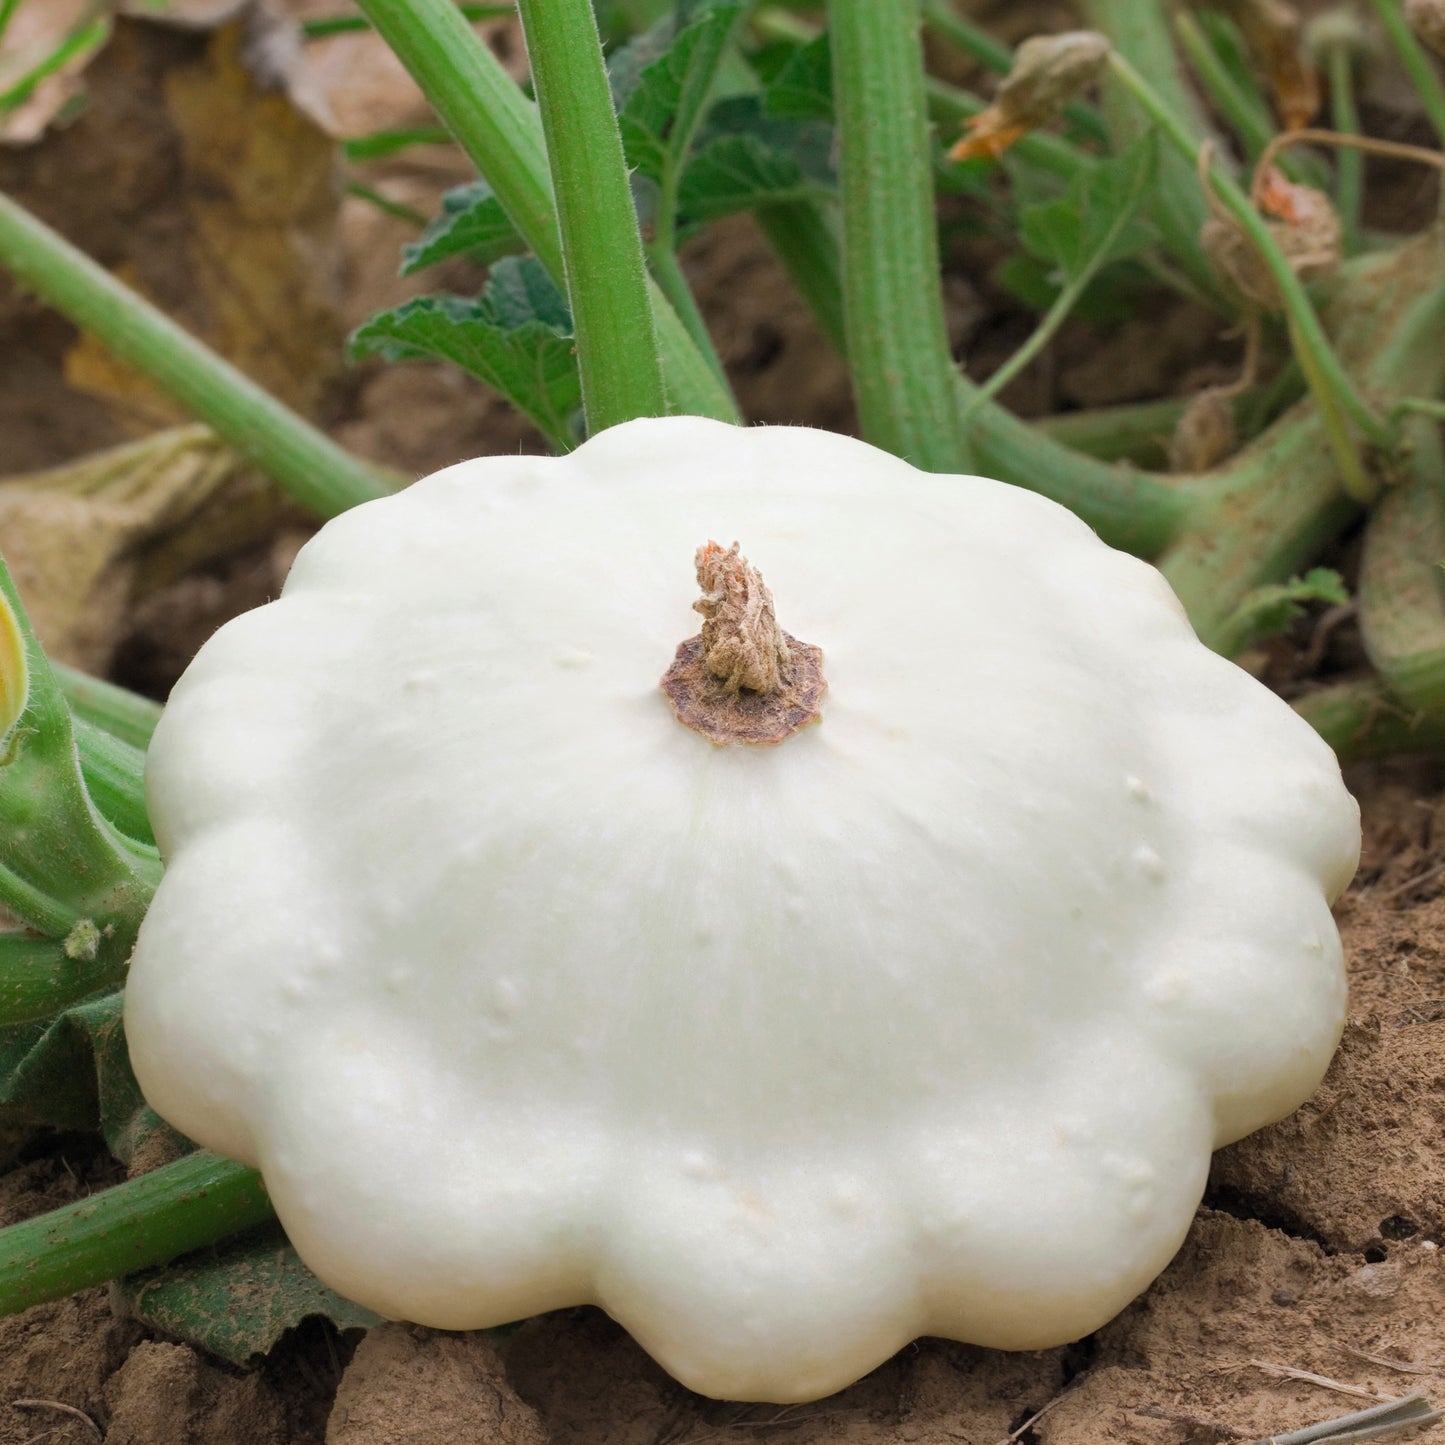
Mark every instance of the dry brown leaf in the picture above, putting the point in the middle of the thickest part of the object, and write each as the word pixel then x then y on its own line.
pixel 212 194
pixel 77 537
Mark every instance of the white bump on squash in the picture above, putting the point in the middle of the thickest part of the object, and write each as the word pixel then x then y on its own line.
pixel 521 994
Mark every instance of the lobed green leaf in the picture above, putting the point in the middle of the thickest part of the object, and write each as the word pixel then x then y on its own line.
pixel 516 336
pixel 472 223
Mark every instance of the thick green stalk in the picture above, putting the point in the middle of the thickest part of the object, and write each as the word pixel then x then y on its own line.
pixel 64 870
pixel 1136 430
pixel 1261 521
pixel 1139 33
pixel 39 977
pixel 602 261
pixel 144 1222
pixel 304 461
pixel 501 132
pixel 114 773
pixel 1402 585
pixel 1267 514
pixel 1132 510
pixel 903 372
pixel 1365 720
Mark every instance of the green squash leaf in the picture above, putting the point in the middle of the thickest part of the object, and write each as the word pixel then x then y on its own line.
pixel 516 336
pixel 73 1072
pixel 1269 611
pixel 1097 220
pixel 472 223
pixel 665 101
pixel 746 158
pixel 803 87
pixel 237 1299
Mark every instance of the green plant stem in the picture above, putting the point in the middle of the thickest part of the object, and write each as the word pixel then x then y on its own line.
pixel 144 1222
pixel 943 20
pixel 1402 584
pixel 951 105
pixel 326 25
pixel 1245 112
pixel 1424 79
pixel 903 372
pixel 1055 317
pixel 501 132
pixel 1128 508
pixel 1322 367
pixel 1132 510
pixel 1365 720
pixel 804 236
pixel 114 773
pixel 1349 164
pixel 1265 516
pixel 1138 431
pixel 602 261
pixel 667 272
pixel 38 978
pixel 662 247
pixel 304 461
pixel 1260 520
pixel 64 870
pixel 1140 35
pixel 125 714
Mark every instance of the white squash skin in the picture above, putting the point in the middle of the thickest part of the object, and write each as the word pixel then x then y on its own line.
pixel 924 1021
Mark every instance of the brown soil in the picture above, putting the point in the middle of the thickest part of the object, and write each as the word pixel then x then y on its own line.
pixel 1312 1281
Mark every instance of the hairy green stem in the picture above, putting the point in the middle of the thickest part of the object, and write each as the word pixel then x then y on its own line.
pixel 904 375
pixel 1267 514
pixel 304 461
pixel 39 977
pixel 602 262
pixel 125 714
pixel 501 132
pixel 114 773
pixel 147 1221
pixel 1249 526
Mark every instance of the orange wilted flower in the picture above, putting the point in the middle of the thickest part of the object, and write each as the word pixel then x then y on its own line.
pixel 1273 32
pixel 1048 72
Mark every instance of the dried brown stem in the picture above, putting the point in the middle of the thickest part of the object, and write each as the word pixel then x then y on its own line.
pixel 742 679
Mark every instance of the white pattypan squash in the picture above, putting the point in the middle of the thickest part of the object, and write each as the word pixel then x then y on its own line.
pixel 522 993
